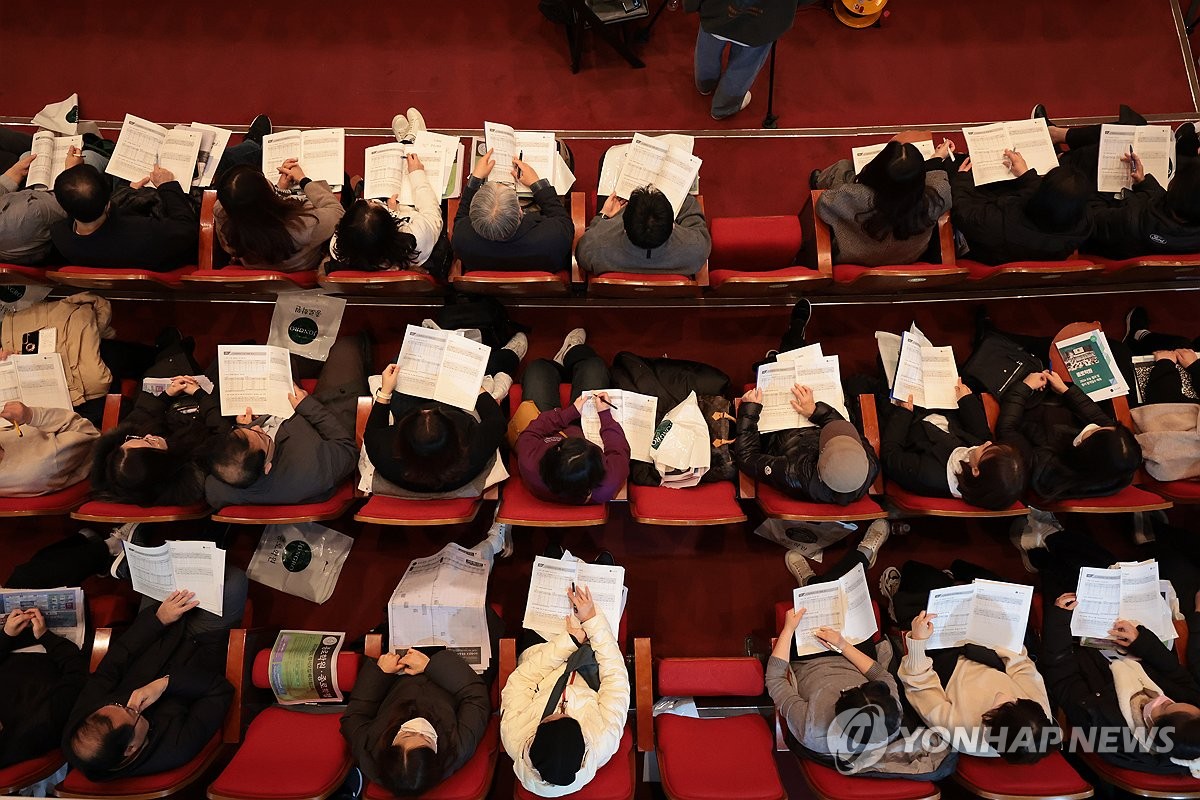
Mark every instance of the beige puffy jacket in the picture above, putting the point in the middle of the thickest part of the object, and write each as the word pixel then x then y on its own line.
pixel 80 322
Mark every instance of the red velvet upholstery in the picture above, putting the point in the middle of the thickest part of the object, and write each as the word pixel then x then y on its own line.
pixel 76 785
pixel 1191 260
pixel 849 273
pixel 829 784
pixel 286 755
pixel 706 504
pixel 980 271
pixel 347 669
pixel 755 244
pixel 1051 777
pixel 717 758
pixel 913 503
pixel 106 610
pixel 26 773
pixel 717 277
pixel 335 506
pixel 668 277
pixel 1178 491
pixel 406 511
pixel 519 507
pixel 614 781
pixel 171 278
pixel 305 279
pixel 1131 498
pixel 60 502
pixel 472 782
pixel 1142 782
pixel 710 677
pixel 775 503
pixel 122 512
pixel 398 274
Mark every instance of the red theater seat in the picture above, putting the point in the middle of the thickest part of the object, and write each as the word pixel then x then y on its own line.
pixel 133 278
pixel 383 510
pixel 60 502
pixel 1052 777
pixel 519 507
pixel 616 780
pixel 1142 784
pixel 705 504
pixel 472 782
pixel 387 283
pixel 16 777
pixel 912 503
pixel 1031 273
pixel 778 505
pixel 334 507
pixel 144 786
pixel 829 784
pixel 103 511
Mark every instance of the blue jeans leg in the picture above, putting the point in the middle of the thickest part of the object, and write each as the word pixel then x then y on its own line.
pixel 740 72
pixel 709 50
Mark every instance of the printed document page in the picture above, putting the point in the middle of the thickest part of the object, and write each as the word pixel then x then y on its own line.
pixel 441 365
pixel 51 152
pixel 676 175
pixel 538 150
pixel 278 148
pixel 844 604
pixel 440 601
pixel 178 154
pixel 384 170
pixel 210 151
pixel 889 354
pixel 323 155
pixel 38 381
pixel 254 376
pixel 952 606
pixel 303 667
pixel 634 412
pixel 1154 144
pixel 548 605
pixel 643 160
pixel 861 156
pixel 987 144
pixel 62 609
pixel 821 374
pixel 136 152
pixel 1031 138
pixel 502 141
pixel 1141 601
pixel 192 566
pixel 1099 596
pixel 1000 614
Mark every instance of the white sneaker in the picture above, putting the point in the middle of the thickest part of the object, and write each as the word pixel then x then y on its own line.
pixel 400 127
pixel 889 584
pixel 428 323
pixel 798 565
pixel 519 344
pixel 1029 533
pixel 125 532
pixel 575 337
pixel 873 539
pixel 488 384
pixel 501 384
pixel 416 122
pixel 745 102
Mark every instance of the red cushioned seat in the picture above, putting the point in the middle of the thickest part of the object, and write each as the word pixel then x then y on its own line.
pixel 384 510
pixel 106 610
pixel 705 504
pixel 1031 273
pixel 234 277
pixel 755 244
pixel 472 782
pixel 16 274
pixel 1178 491
pixel 828 783
pixel 913 503
pixel 519 507
pixel 849 273
pixel 717 277
pixel 103 511
pixel 1131 498
pixel 1143 783
pixel 383 276
pixel 304 754
pixel 102 275
pixel 60 502
pixel 164 783
pixel 332 508
pixel 775 503
pixel 614 781
pixel 710 677
pixel 1051 777
pixel 638 277
pixel 17 776
pixel 505 274
pixel 717 758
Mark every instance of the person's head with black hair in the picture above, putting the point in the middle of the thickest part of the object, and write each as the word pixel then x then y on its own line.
pixel 1182 720
pixel 1060 202
pixel 255 221
pixel 242 456
pixel 146 469
pixel 1183 195
pixel 994 476
pixel 82 192
pixel 369 237
pixel 557 749
pixel 874 698
pixel 902 203
pixel 427 440
pixel 106 740
pixel 1019 729
pixel 648 218
pixel 409 756
pixel 1105 454
pixel 572 469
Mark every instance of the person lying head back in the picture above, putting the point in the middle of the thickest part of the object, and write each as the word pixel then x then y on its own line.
pixel 994 476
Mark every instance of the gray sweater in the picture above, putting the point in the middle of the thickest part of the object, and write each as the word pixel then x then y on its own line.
pixel 605 247
pixel 840 206
pixel 25 220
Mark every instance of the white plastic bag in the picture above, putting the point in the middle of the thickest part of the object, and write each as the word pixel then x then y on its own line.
pixel 306 323
pixel 304 560
pixel 680 450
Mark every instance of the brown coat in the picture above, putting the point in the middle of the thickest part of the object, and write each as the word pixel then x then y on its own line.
pixel 80 321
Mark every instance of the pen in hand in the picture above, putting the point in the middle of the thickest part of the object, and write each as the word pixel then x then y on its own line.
pixel 831 647
pixel 520 157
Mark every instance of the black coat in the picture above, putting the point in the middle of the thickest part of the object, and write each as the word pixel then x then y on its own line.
pixel 915 453
pixel 192 708
pixel 1140 225
pixel 787 460
pixel 39 691
pixel 542 241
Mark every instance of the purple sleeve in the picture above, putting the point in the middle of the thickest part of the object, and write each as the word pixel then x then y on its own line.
pixel 531 445
pixel 616 459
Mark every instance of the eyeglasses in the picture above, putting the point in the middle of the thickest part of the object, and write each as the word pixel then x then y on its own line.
pixel 137 715
pixel 132 438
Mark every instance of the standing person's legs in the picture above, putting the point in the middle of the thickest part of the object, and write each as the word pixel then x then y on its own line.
pixel 740 72
pixel 343 379
pixel 540 384
pixel 587 370
pixel 67 562
pixel 707 62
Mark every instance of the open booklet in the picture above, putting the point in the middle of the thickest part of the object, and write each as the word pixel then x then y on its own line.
pixel 62 609
pixel 988 613
pixel 634 412
pixel 441 365
pixel 157 386
pixel 915 367
pixel 1092 367
pixel 321 153
pixel 987 143
pixel 665 163
pixel 51 152
pixel 386 166
pixel 538 149
pixel 142 144
pixel 192 566
pixel 213 141
pixel 441 600
pixel 547 608
pixel 1153 144
pixel 806 366
pixel 255 376
pixel 303 667
pixel 614 160
pixel 1129 590
pixel 866 154
pixel 844 605
pixel 38 381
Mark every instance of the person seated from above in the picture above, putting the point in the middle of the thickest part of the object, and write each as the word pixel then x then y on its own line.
pixel 427 446
pixel 1071 448
pixel 1172 353
pixel 98 234
pixel 556 462
pixel 564 708
pixel 43 450
pixel 414 719
pixel 951 453
pixel 261 228
pixel 303 459
pixel 886 214
pixel 159 695
pixel 27 214
pixel 493 231
pixel 827 463
pixel 1030 218
pixel 41 687
pixel 644 235
pixel 994 700
pixel 375 235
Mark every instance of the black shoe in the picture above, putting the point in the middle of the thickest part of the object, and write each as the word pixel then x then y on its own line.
pixel 553 551
pixel 1187 141
pixel 1137 319
pixel 352 787
pixel 813 177
pixel 260 127
pixel 1039 112
pixel 1127 116
pixel 605 559
pixel 801 314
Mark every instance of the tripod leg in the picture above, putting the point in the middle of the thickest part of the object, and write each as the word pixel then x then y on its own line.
pixel 771 120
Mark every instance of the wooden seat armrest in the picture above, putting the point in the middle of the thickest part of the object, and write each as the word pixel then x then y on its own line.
pixel 237 672
pixel 946 240
pixel 702 276
pixel 373 645
pixel 1121 411
pixel 451 213
pixel 747 490
pixel 456 269
pixel 362 412
pixel 208 203
pixel 578 203
pixel 112 412
pixel 870 423
pixel 508 660
pixel 643 671
pixel 818 241
pixel 100 643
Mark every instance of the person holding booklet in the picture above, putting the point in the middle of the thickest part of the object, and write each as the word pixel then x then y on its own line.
pixel 493 231
pixel 557 462
pixel 644 235
pixel 886 213
pixel 101 233
pixel 43 450
pixel 262 228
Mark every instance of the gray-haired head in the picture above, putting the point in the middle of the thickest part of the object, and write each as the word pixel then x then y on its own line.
pixel 495 211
